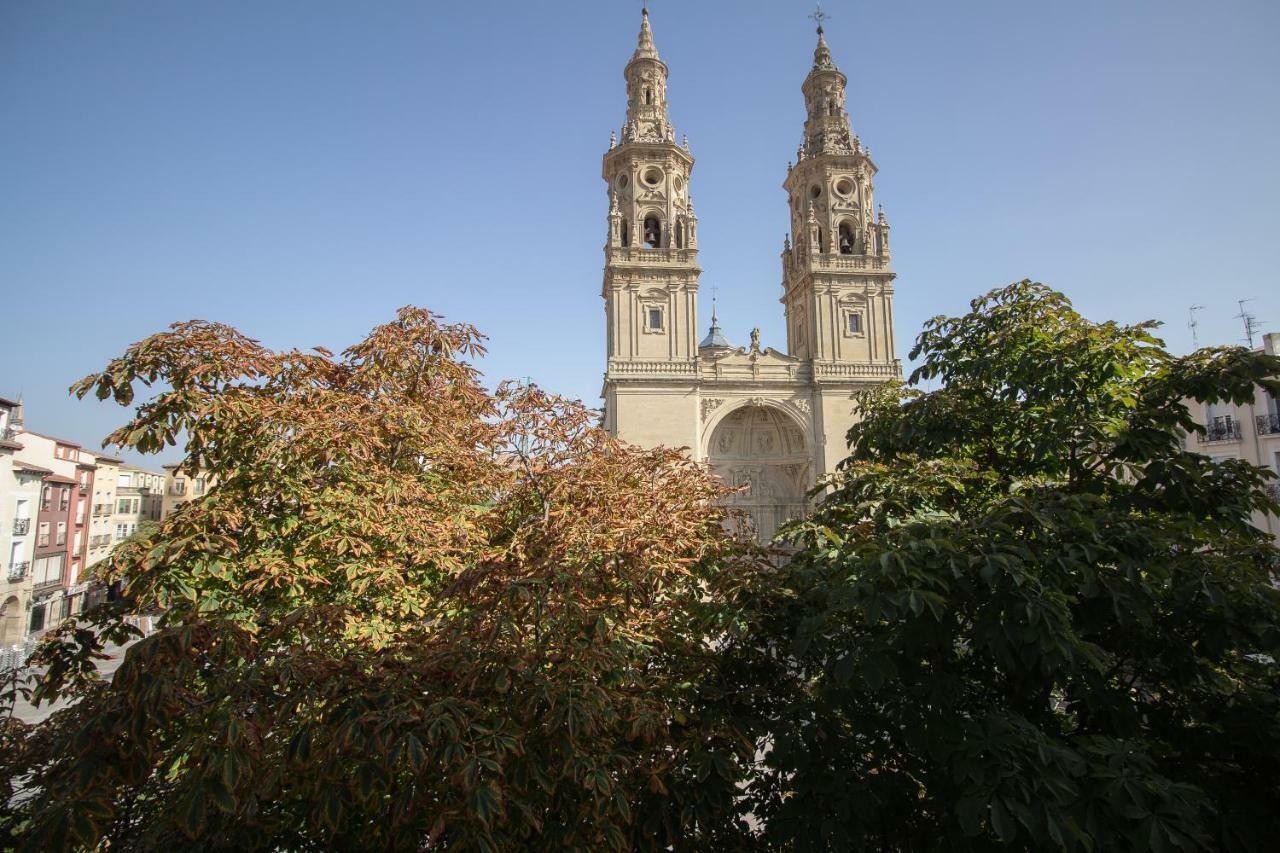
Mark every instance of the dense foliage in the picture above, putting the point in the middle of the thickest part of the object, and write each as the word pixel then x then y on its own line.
pixel 1027 616
pixel 411 614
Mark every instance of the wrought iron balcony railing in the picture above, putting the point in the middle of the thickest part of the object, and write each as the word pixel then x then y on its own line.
pixel 21 526
pixel 1268 424
pixel 18 570
pixel 1221 430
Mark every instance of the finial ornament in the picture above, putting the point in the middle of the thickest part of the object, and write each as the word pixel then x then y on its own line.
pixel 613 140
pixel 818 16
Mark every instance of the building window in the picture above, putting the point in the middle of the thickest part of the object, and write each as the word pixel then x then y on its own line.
pixel 46 497
pixel 199 486
pixel 37 618
pixel 122 532
pixel 61 538
pixel 853 323
pixel 122 505
pixel 64 500
pixel 47 569
pixel 653 321
pixel 179 487
pixel 42 535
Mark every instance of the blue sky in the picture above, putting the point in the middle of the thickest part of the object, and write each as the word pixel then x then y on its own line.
pixel 301 169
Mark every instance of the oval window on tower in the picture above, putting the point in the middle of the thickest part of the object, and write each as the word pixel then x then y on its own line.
pixel 844 187
pixel 623 180
pixel 815 191
pixel 652 176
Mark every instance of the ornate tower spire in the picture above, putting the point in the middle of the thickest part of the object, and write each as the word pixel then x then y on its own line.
pixel 826 130
pixel 646 75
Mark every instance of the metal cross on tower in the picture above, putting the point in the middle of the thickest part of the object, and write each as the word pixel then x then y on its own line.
pixel 818 16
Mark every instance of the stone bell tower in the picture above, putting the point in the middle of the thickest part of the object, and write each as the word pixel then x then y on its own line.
pixel 651 265
pixel 837 281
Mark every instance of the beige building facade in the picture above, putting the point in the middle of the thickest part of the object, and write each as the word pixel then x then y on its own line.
pixel 1250 432
pixel 181 486
pixel 768 421
pixel 139 500
pixel 104 497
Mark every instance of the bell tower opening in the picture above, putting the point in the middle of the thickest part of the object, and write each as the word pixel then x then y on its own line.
pixel 847 240
pixel 762 451
pixel 653 232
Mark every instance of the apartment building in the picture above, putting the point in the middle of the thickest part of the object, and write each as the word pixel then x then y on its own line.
pixel 1250 432
pixel 62 510
pixel 182 486
pixel 62 525
pixel 103 509
pixel 20 485
pixel 140 498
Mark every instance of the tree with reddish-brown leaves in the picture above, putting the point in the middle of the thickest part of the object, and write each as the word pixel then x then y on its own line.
pixel 412 614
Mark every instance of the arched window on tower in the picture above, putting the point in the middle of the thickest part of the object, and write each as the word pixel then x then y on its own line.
pixel 652 232
pixel 847 239
pixel 680 229
pixel 648 96
pixel 831 108
pixel 626 233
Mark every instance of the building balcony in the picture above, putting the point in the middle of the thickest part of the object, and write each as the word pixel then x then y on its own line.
pixel 21 526
pixel 18 570
pixel 44 586
pixel 646 255
pixel 1221 430
pixel 84 488
pixel 1268 424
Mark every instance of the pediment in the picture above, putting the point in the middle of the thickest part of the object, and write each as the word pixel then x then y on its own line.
pixel 743 357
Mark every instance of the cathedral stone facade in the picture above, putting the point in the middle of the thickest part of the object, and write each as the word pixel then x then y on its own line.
pixel 769 422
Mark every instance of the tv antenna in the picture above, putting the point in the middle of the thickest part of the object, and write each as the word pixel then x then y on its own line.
pixel 1251 324
pixel 1194 324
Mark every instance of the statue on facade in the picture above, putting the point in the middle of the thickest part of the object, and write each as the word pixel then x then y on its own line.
pixel 755 339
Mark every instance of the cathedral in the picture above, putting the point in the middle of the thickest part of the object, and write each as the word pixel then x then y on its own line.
pixel 768 422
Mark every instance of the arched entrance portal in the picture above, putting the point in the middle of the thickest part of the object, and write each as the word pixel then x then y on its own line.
pixel 763 451
pixel 11 622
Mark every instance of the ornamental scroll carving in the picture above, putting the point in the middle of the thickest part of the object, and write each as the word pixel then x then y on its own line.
pixel 709 405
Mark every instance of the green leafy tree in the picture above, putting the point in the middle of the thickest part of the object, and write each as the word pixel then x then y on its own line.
pixel 1026 616
pixel 412 614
